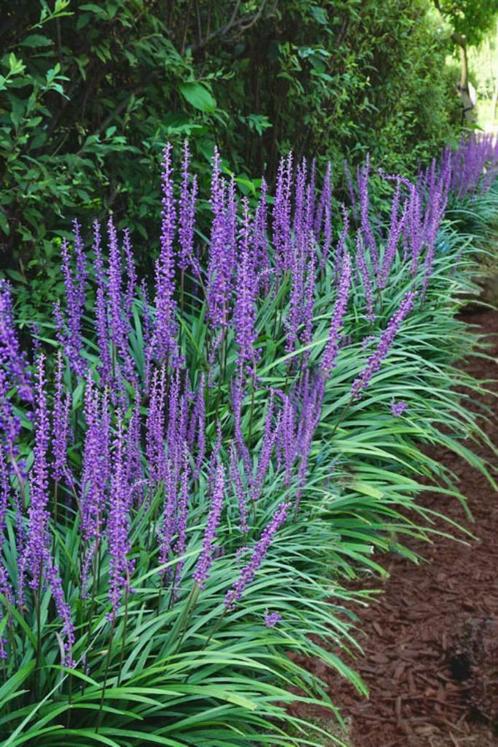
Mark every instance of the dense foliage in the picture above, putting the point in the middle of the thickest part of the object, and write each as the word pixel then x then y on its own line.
pixel 89 91
pixel 190 468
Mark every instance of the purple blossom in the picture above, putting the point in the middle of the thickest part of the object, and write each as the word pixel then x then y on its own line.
pixel 101 321
pixel 332 347
pixel 325 214
pixel 62 407
pixel 385 342
pixel 164 343
pixel 35 552
pixel 74 297
pixel 12 358
pixel 281 223
pixel 95 474
pixel 237 398
pixel 186 213
pixel 199 418
pixel 155 426
pixel 118 321
pixel 63 611
pixel 341 244
pixel 364 273
pixel 205 560
pixel 239 489
pixel 118 524
pixel 313 390
pixel 220 261
pixel 272 618
pixel 182 513
pixel 245 304
pixel 169 521
pixel 366 228
pixel 261 548
pixel 395 229
pixel 265 452
pixel 398 408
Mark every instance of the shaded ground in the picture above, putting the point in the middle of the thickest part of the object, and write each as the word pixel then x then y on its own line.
pixel 431 639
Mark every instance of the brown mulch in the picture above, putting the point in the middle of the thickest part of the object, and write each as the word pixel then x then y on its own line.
pixel 431 639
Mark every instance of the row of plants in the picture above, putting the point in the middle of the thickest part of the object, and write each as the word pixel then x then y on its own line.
pixel 192 466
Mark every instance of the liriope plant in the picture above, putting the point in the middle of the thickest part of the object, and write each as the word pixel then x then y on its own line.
pixel 190 468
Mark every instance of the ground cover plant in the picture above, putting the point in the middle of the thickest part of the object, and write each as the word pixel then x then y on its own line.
pixel 190 467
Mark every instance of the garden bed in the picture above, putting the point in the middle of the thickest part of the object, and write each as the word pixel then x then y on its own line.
pixel 431 639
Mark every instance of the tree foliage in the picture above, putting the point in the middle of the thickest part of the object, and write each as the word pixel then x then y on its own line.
pixel 89 93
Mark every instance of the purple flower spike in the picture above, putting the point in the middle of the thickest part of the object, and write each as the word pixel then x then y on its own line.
pixel 267 444
pixel 239 490
pixel 247 574
pixel 245 311
pixel 36 549
pixel 186 214
pixel 117 524
pixel 205 561
pixel 386 340
pixel 332 347
pixel 398 408
pixel 62 407
pixel 12 359
pixel 272 618
pixel 164 342
pixel 74 298
pixel 364 273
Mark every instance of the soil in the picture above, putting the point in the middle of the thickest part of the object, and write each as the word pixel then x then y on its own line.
pixel 431 639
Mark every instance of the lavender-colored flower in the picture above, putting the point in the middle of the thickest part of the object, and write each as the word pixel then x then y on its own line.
pixel 81 271
pixel 36 549
pixel 309 298
pixel 186 213
pixel 395 229
pixel 182 519
pixel 101 321
pixel 286 437
pixel 261 548
pixel 12 358
pixel 118 322
pixel 325 214
pixel 385 342
pixel 95 475
pixel 245 311
pixel 332 347
pixel 118 524
pixel 154 427
pixel 312 399
pixel 281 223
pixel 62 406
pixel 239 490
pixel 74 296
pixel 366 228
pixel 265 452
pixel 341 244
pixel 364 273
pixel 205 560
pixel 164 343
pixel 169 521
pixel 237 398
pixel 272 618
pixel 398 408
pixel 10 424
pixel 63 610
pixel 199 418
pixel 220 263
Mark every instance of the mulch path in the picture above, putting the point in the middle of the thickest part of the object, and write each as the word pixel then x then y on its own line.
pixel 431 638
